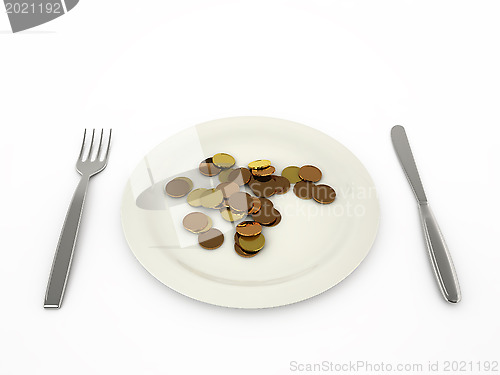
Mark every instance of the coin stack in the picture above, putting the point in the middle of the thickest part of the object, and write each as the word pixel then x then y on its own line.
pixel 263 182
pixel 248 240
pixel 235 205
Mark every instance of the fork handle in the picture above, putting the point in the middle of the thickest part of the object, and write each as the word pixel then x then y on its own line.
pixel 65 248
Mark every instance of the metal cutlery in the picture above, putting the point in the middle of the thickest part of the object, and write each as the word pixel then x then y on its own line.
pixel 87 165
pixel 438 251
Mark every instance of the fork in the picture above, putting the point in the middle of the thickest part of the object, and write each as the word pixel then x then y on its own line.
pixel 86 166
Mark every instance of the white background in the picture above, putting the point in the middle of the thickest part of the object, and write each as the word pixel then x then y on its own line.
pixel 352 69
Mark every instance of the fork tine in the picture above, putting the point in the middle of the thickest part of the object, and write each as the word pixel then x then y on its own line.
pixel 83 144
pixel 89 157
pixel 107 148
pixel 98 154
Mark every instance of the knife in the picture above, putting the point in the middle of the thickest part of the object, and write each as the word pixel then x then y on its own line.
pixel 438 251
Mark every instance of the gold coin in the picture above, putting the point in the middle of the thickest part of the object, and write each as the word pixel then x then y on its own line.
pixel 292 174
pixel 188 180
pixel 231 216
pixel 194 198
pixel 237 237
pixel 242 253
pixel 196 222
pixel 252 244
pixel 211 198
pixel 223 161
pixel 259 164
pixel 223 204
pixel 224 175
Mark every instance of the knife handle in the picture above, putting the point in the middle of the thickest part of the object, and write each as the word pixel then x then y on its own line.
pixel 439 255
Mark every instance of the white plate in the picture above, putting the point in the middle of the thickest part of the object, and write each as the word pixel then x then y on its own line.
pixel 313 248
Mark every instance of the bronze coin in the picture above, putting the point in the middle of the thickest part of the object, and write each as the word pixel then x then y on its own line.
pixel 195 222
pixel 242 253
pixel 303 189
pixel 276 218
pixel 324 194
pixel 241 176
pixel 228 188
pixel 240 201
pixel 275 222
pixel 291 173
pixel 259 164
pixel 310 173
pixel 260 179
pixel 249 228
pixel 177 188
pixel 264 172
pixel 211 239
pixel 208 168
pixel 230 215
pixel 266 203
pixel 266 216
pixel 262 189
pixel 256 205
pixel 281 184
pixel 223 160
pixel 188 180
pixel 224 175
pixel 252 244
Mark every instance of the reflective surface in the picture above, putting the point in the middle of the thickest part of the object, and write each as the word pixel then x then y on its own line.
pixel 439 254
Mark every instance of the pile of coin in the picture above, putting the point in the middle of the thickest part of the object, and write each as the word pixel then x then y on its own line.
pixel 213 166
pixel 235 205
pixel 305 179
pixel 248 239
pixel 263 182
pixel 209 238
